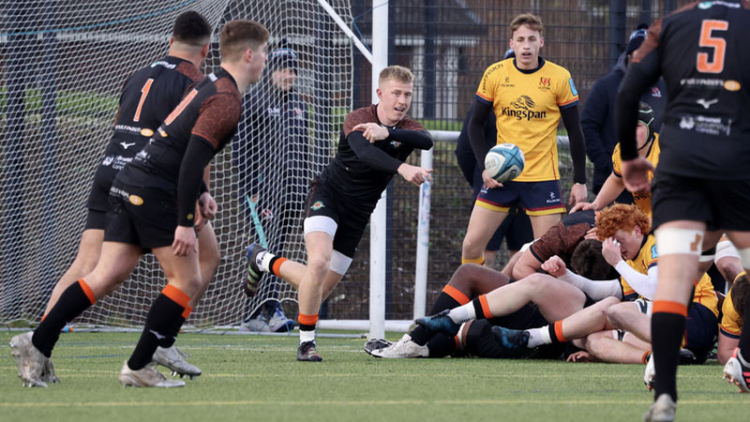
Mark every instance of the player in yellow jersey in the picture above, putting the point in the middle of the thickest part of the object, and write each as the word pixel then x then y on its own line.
pixel 648 148
pixel 529 96
pixel 731 321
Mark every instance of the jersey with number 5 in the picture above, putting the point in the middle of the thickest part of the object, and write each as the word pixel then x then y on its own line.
pixel 704 57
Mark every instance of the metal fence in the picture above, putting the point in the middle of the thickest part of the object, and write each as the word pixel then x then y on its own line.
pixel 448 44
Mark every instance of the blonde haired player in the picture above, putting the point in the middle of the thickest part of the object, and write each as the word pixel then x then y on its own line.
pixel 374 144
pixel 529 96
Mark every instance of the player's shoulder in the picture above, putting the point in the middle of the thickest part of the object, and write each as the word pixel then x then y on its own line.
pixel 410 124
pixel 554 68
pixel 362 115
pixel 498 68
pixel 189 70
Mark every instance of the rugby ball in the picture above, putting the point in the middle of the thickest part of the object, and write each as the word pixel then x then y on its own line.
pixel 504 162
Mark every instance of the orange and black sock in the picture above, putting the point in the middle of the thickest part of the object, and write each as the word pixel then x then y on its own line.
pixel 73 301
pixel 165 318
pixel 274 266
pixel 481 307
pixel 667 331
pixel 449 298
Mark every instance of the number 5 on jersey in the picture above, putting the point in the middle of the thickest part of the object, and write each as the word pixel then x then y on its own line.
pixel 718 44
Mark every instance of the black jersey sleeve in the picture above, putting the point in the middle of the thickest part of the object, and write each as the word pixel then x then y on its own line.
pixel 577 143
pixel 370 154
pixel 197 156
pixel 643 72
pixel 420 139
pixel 476 134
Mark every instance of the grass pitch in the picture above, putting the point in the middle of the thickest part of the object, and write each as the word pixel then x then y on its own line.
pixel 253 378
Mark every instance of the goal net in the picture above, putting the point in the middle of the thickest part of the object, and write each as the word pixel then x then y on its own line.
pixel 64 64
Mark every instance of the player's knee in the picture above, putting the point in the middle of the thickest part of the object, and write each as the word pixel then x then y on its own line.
pixel 471 248
pixel 616 315
pixel 318 266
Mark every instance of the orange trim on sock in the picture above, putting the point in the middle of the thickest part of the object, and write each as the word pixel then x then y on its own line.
pixel 644 358
pixel 559 332
pixel 456 294
pixel 478 261
pixel 178 296
pixel 277 266
pixel 87 291
pixel 307 319
pixel 669 307
pixel 458 343
pixel 485 306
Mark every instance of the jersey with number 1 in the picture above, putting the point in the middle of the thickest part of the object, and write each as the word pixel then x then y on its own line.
pixel 527 105
pixel 147 98
pixel 705 60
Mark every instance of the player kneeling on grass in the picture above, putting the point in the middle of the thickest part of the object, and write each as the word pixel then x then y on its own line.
pixel 153 207
pixel 374 144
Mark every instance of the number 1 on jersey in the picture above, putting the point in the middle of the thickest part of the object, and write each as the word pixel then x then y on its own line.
pixel 717 43
pixel 144 93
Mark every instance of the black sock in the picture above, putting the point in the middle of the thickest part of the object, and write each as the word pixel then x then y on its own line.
pixel 306 327
pixel 478 307
pixel 667 330
pixel 162 326
pixel 744 343
pixel 441 345
pixel 444 301
pixel 73 301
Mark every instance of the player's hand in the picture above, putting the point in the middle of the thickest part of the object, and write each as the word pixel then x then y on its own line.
pixel 578 193
pixel 185 241
pixel 489 181
pixel 208 206
pixel 581 356
pixel 611 251
pixel 591 234
pixel 413 174
pixel 555 266
pixel 635 175
pixel 373 132
pixel 583 206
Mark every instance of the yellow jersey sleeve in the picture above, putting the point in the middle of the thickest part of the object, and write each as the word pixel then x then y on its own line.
pixel 705 294
pixel 489 83
pixel 565 89
pixel 730 322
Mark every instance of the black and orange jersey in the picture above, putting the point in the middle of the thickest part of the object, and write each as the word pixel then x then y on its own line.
pixel 562 238
pixel 147 98
pixel 701 53
pixel 362 170
pixel 205 120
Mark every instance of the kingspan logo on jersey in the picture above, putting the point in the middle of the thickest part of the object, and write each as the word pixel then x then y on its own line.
pixel 522 109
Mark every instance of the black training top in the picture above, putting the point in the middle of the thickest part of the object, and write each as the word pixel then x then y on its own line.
pixel 701 52
pixel 361 170
pixel 201 125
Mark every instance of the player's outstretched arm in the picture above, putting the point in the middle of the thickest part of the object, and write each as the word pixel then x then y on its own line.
pixel 413 174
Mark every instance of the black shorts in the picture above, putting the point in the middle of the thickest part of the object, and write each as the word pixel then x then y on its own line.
pixel 141 216
pixel 350 216
pixel 96 220
pixel 701 330
pixel 99 194
pixel 721 204
pixel 482 342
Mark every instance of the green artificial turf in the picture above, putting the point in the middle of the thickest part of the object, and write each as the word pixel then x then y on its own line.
pixel 256 378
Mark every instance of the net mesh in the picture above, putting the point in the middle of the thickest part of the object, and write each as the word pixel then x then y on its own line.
pixel 63 66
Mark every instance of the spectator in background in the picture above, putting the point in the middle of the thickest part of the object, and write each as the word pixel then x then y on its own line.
pixel 598 118
pixel 274 156
pixel 516 228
